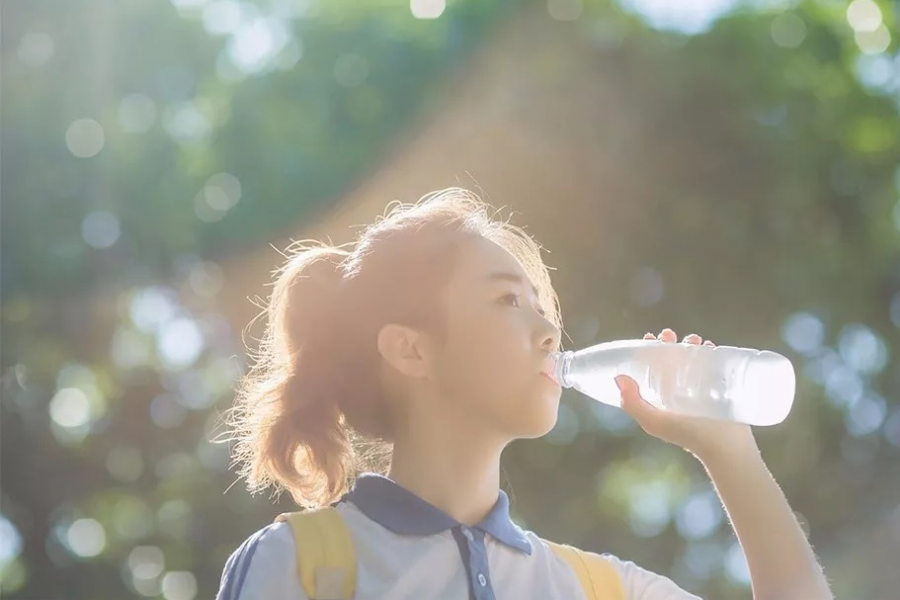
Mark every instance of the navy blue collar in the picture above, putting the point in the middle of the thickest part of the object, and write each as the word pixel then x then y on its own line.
pixel 404 513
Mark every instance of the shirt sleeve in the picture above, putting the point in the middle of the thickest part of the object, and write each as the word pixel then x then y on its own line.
pixel 264 567
pixel 641 584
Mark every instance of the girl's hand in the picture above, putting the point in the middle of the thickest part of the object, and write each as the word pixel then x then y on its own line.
pixel 705 438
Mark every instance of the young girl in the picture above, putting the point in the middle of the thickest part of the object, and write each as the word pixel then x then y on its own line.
pixel 431 336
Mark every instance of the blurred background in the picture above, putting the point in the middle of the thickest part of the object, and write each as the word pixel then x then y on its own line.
pixel 717 166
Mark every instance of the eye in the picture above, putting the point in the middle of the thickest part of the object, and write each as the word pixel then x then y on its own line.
pixel 510 299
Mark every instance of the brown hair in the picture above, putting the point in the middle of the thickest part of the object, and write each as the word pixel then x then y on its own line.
pixel 314 393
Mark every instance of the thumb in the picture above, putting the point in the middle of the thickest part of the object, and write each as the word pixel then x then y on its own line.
pixel 632 401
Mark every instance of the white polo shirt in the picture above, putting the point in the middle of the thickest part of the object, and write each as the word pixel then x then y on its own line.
pixel 408 549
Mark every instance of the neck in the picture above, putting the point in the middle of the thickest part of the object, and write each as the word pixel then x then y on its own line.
pixel 456 473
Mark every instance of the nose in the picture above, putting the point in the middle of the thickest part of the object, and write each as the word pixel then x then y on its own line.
pixel 550 337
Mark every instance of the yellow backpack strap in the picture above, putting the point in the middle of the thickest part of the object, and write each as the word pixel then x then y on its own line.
pixel 326 562
pixel 597 576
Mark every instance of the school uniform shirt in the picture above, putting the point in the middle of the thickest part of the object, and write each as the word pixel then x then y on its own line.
pixel 407 549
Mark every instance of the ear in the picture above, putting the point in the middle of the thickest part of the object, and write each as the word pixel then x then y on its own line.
pixel 402 347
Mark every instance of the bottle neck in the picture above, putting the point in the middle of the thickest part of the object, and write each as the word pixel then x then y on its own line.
pixel 562 364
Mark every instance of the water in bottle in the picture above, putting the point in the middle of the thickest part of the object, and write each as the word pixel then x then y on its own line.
pixel 719 382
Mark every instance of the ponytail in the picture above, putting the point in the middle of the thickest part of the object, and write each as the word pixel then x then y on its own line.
pixel 289 428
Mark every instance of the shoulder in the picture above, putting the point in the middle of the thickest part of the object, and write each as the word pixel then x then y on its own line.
pixel 641 584
pixel 262 567
pixel 637 583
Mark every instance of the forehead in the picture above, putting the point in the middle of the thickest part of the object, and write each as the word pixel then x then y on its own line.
pixel 479 258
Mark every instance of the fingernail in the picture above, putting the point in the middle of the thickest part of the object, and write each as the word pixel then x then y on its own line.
pixel 620 383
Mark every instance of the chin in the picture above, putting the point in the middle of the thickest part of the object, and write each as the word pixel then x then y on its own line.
pixel 533 431
pixel 539 417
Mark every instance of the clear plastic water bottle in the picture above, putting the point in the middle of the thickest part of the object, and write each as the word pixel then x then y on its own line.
pixel 720 382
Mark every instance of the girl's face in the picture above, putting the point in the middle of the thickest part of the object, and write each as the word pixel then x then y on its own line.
pixel 491 365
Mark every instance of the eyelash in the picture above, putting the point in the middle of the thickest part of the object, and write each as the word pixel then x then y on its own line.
pixel 516 302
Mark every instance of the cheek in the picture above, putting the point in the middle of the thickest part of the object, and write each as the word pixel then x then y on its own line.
pixel 497 357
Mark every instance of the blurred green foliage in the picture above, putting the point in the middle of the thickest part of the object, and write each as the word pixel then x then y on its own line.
pixel 144 142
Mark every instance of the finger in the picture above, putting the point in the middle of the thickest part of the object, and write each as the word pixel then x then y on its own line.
pixel 649 336
pixel 632 401
pixel 628 388
pixel 692 339
pixel 667 335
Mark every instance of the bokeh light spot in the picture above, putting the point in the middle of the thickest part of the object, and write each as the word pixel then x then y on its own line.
pixel 649 508
pixel 866 415
pixel 100 229
pixel 220 194
pixel 78 375
pixel 873 42
pixel 223 191
pixel 427 9
pixel 10 542
pixel 189 4
pixel 145 565
pixel 862 349
pixel 700 516
pixel 85 138
pixel 86 538
pixel 788 30
pixel 892 428
pixel 137 113
pixel 70 408
pixel 736 565
pixel 880 73
pixel 186 124
pixel 206 279
pixel 864 16
pixel 173 517
pixel 256 43
pixel 152 307
pixel 822 364
pixel 565 10
pixel 688 18
pixel 179 585
pixel 146 562
pixel 804 332
pixel 222 17
pixel 180 343
pixel 35 49
pixel 193 389
pixel 843 386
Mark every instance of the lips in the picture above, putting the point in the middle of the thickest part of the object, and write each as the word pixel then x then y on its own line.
pixel 548 371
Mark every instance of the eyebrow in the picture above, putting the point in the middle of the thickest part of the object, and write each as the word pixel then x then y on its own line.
pixel 514 278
